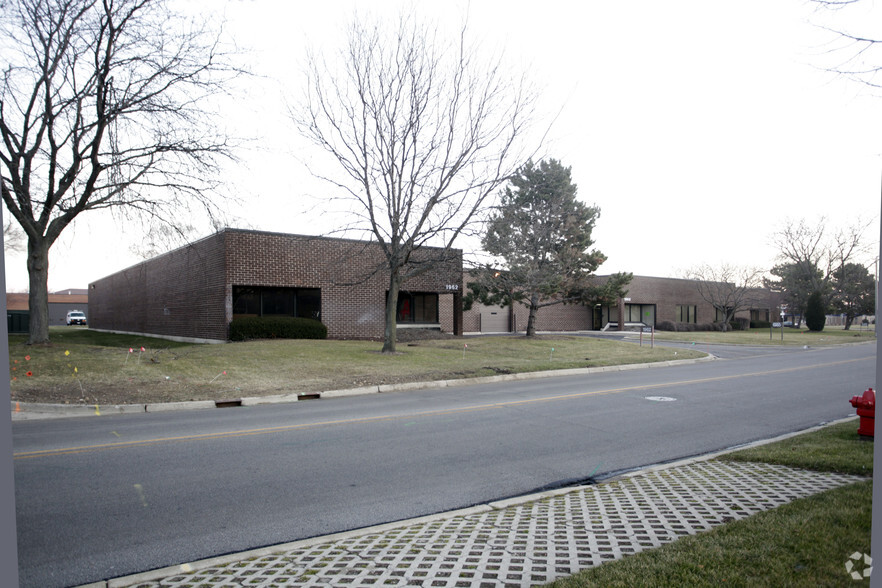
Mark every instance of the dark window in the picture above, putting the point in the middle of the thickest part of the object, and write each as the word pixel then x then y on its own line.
pixel 687 313
pixel 640 313
pixel 721 314
pixel 278 302
pixel 417 307
pixel 309 303
pixel 265 301
pixel 246 301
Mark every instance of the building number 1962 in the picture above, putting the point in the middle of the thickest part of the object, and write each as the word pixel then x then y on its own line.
pixel 452 286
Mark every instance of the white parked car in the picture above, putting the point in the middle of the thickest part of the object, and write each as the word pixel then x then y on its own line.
pixel 76 317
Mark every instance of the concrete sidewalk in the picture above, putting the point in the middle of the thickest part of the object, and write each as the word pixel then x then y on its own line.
pixel 520 542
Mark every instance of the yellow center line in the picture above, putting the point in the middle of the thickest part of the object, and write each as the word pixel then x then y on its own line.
pixel 466 409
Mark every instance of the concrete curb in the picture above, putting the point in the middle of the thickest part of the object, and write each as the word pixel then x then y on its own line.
pixel 714 455
pixel 32 411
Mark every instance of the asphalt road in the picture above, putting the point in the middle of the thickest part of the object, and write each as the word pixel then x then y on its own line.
pixel 102 497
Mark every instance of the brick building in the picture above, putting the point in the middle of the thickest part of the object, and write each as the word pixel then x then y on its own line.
pixel 193 293
pixel 649 300
pixel 60 303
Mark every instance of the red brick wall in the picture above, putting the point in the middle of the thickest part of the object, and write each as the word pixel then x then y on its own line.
pixel 195 284
pixel 180 293
pixel 558 317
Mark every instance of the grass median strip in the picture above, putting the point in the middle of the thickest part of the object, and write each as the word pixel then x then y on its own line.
pixel 86 367
pixel 804 543
pixel 788 336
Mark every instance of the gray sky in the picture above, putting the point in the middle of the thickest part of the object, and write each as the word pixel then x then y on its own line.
pixel 697 127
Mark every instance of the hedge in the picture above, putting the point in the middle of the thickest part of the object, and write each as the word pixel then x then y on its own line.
pixel 690 327
pixel 276 327
pixel 738 324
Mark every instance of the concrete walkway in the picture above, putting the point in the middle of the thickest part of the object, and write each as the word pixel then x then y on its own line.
pixel 521 542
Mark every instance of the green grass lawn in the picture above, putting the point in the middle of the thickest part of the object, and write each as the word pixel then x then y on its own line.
pixel 804 543
pixel 97 368
pixel 84 366
pixel 786 336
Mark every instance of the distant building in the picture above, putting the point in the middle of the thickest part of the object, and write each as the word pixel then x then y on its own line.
pixel 649 301
pixel 60 303
pixel 194 292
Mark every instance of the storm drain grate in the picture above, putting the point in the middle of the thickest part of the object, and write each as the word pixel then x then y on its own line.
pixel 531 543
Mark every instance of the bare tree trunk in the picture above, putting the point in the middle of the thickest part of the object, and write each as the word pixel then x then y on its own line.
pixel 849 320
pixel 72 141
pixel 531 321
pixel 38 296
pixel 389 335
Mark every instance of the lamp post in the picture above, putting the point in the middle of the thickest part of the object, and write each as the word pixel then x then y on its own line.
pixel 876 302
pixel 783 314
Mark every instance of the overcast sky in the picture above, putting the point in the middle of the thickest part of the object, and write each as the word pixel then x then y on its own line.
pixel 697 127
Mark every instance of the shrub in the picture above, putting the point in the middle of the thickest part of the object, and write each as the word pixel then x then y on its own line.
pixel 740 323
pixel 276 327
pixel 760 325
pixel 687 327
pixel 815 313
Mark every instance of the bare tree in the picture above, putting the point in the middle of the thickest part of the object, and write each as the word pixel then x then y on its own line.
pixel 424 133
pixel 13 237
pixel 803 246
pixel 815 255
pixel 857 54
pixel 103 106
pixel 728 288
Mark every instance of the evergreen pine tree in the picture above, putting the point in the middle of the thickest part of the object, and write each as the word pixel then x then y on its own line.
pixel 815 313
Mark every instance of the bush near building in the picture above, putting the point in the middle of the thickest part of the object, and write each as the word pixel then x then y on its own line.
pixel 276 327
pixel 739 324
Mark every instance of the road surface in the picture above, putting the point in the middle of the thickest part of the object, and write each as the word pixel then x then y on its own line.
pixel 102 497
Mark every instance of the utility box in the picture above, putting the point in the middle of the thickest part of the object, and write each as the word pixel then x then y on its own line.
pixel 17 321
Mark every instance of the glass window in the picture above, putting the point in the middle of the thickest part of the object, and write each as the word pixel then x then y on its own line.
pixel 417 307
pixel 640 313
pixel 309 303
pixel 246 301
pixel 634 314
pixel 278 301
pixel 405 308
pixel 260 301
pixel 687 313
pixel 425 308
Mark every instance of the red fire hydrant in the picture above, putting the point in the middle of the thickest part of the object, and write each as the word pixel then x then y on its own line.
pixel 866 409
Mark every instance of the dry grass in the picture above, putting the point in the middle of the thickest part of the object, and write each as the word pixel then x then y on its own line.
pixel 787 336
pixel 81 366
